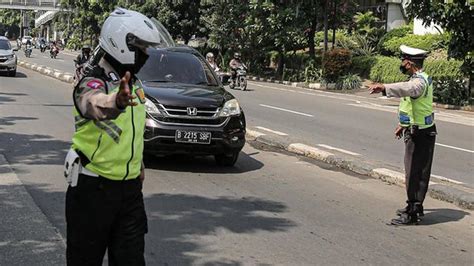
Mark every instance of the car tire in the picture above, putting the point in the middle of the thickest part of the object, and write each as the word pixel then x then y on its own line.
pixel 12 73
pixel 226 159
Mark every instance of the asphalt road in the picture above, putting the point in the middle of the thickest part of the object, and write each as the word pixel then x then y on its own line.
pixel 361 126
pixel 270 209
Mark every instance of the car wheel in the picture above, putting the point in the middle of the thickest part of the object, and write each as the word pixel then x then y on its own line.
pixel 12 73
pixel 226 159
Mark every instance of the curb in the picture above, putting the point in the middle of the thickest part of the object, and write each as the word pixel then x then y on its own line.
pixel 445 192
pixel 62 76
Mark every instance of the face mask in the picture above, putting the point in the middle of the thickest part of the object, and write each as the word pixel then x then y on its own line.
pixel 140 60
pixel 403 69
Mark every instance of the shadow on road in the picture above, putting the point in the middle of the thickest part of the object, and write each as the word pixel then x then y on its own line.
pixel 11 120
pixel 439 216
pixel 177 221
pixel 32 149
pixel 186 163
pixel 18 74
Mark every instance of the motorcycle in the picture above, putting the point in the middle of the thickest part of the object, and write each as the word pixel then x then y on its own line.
pixel 28 51
pixel 42 47
pixel 53 52
pixel 240 80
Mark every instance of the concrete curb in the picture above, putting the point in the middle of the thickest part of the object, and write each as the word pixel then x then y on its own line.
pixel 62 76
pixel 445 192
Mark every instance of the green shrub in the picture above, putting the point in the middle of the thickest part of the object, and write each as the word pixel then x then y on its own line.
pixel 439 69
pixel 349 82
pixel 426 42
pixel 386 70
pixel 395 33
pixel 358 44
pixel 74 43
pixel 336 62
pixel 450 90
pixel 361 65
pixel 312 73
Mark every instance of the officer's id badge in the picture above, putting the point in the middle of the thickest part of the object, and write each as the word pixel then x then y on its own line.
pixel 140 94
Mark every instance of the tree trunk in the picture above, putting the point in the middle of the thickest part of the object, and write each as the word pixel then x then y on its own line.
pixel 325 10
pixel 334 24
pixel 281 62
pixel 312 32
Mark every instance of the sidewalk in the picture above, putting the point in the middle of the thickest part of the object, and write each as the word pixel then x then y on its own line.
pixel 26 235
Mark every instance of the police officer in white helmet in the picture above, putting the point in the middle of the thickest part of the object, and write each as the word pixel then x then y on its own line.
pixel 104 168
pixel 417 127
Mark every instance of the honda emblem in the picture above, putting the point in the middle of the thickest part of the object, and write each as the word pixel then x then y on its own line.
pixel 192 111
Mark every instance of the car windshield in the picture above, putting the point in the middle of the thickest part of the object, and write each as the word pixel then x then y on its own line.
pixel 4 45
pixel 176 67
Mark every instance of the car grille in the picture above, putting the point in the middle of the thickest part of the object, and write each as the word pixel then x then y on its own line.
pixel 3 59
pixel 183 111
pixel 178 115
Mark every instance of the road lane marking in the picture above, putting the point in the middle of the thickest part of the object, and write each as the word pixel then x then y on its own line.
pixel 455 148
pixel 286 110
pixel 448 180
pixel 272 131
pixel 254 133
pixel 338 149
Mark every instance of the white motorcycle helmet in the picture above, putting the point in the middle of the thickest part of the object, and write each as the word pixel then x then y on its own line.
pixel 124 31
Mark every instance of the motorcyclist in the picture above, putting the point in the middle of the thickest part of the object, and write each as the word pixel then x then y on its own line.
pixel 54 48
pixel 82 58
pixel 104 202
pixel 212 62
pixel 235 64
pixel 28 48
pixel 42 42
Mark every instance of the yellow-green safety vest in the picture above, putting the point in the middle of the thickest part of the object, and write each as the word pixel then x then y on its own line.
pixel 114 147
pixel 418 111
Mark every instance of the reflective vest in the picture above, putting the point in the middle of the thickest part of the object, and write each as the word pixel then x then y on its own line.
pixel 418 111
pixel 113 148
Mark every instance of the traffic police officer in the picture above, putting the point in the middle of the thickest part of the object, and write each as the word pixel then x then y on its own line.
pixel 416 125
pixel 104 202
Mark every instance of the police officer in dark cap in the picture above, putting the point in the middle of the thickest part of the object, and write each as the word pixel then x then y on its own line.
pixel 416 126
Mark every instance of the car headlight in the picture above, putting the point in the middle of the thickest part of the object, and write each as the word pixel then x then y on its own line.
pixel 9 57
pixel 231 108
pixel 151 108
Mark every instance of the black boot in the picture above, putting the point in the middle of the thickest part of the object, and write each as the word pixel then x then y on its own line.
pixel 410 217
pixel 418 209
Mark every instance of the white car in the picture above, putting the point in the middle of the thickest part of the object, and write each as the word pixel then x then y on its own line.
pixel 8 58
pixel 26 38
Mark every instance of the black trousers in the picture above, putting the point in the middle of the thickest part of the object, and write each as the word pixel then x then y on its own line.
pixel 101 215
pixel 419 149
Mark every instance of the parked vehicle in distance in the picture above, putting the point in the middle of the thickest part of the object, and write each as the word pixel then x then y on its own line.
pixel 188 109
pixel 8 59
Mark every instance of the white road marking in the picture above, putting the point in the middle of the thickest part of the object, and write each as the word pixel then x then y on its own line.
pixel 339 150
pixel 254 133
pixel 272 131
pixel 285 110
pixel 455 148
pixel 448 179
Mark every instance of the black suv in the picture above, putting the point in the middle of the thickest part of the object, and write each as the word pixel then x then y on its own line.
pixel 188 109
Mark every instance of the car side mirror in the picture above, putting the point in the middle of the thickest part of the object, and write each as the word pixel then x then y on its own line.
pixel 15 49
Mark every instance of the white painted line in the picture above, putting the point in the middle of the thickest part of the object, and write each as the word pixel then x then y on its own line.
pixel 455 148
pixel 272 131
pixel 339 150
pixel 448 179
pixel 285 110
pixel 254 133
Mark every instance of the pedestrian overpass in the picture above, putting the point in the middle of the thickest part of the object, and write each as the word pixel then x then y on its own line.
pixel 45 5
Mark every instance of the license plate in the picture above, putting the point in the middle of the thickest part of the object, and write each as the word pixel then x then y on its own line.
pixel 193 137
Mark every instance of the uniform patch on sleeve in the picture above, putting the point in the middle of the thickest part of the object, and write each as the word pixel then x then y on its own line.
pixel 95 84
